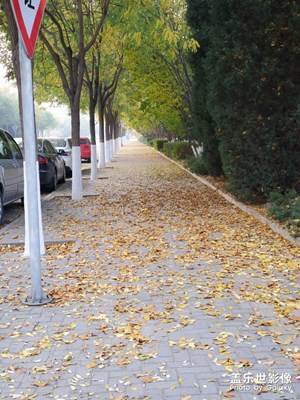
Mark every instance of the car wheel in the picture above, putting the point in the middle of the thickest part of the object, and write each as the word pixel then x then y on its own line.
pixel 63 179
pixel 1 208
pixel 53 185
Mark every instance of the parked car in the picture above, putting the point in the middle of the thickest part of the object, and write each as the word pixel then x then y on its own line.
pixel 51 165
pixel 19 142
pixel 11 171
pixel 85 149
pixel 64 148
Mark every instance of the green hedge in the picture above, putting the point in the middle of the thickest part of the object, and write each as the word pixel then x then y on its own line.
pixel 196 165
pixel 286 208
pixel 158 144
pixel 246 104
pixel 178 150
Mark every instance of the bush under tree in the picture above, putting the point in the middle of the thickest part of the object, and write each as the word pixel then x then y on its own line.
pixel 250 71
pixel 204 126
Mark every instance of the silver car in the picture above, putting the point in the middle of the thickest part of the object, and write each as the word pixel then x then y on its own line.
pixel 11 171
pixel 64 148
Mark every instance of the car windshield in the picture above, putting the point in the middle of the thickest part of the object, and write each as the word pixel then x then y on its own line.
pixel 84 141
pixel 58 142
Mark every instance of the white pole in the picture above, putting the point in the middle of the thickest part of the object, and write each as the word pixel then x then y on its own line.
pixel 37 296
pixel 42 242
pixel 94 172
pixel 77 193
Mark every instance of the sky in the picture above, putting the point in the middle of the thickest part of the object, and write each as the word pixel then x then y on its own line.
pixel 4 83
pixel 61 113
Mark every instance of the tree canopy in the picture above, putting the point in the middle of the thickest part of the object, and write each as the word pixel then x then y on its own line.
pixel 156 84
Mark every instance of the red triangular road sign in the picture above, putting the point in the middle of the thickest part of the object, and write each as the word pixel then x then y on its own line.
pixel 29 14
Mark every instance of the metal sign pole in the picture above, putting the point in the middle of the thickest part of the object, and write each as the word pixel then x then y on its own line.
pixel 37 296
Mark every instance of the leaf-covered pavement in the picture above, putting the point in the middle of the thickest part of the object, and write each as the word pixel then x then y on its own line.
pixel 161 290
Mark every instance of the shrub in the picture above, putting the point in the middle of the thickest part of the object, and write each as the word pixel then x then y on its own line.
pixel 286 208
pixel 143 139
pixel 178 150
pixel 251 99
pixel 158 144
pixel 196 165
pixel 147 138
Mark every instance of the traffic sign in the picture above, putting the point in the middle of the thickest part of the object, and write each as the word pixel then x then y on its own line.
pixel 28 15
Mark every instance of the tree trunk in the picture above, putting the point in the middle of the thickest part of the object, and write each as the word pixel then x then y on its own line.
pixel 76 156
pixel 102 152
pixel 14 38
pixel 108 137
pixel 92 107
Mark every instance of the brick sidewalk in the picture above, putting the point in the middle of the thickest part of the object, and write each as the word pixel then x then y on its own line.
pixel 161 290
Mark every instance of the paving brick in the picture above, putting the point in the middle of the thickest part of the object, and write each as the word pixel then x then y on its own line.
pixel 112 336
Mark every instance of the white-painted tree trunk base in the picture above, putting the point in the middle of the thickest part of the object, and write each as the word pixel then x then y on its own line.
pixel 76 174
pixel 111 144
pixel 107 151
pixel 94 171
pixel 101 161
pixel 119 143
pixel 26 207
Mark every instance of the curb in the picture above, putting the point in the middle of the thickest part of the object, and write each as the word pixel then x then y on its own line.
pixel 271 224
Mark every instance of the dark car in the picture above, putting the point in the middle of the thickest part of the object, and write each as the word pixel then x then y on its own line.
pixel 51 165
pixel 11 171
